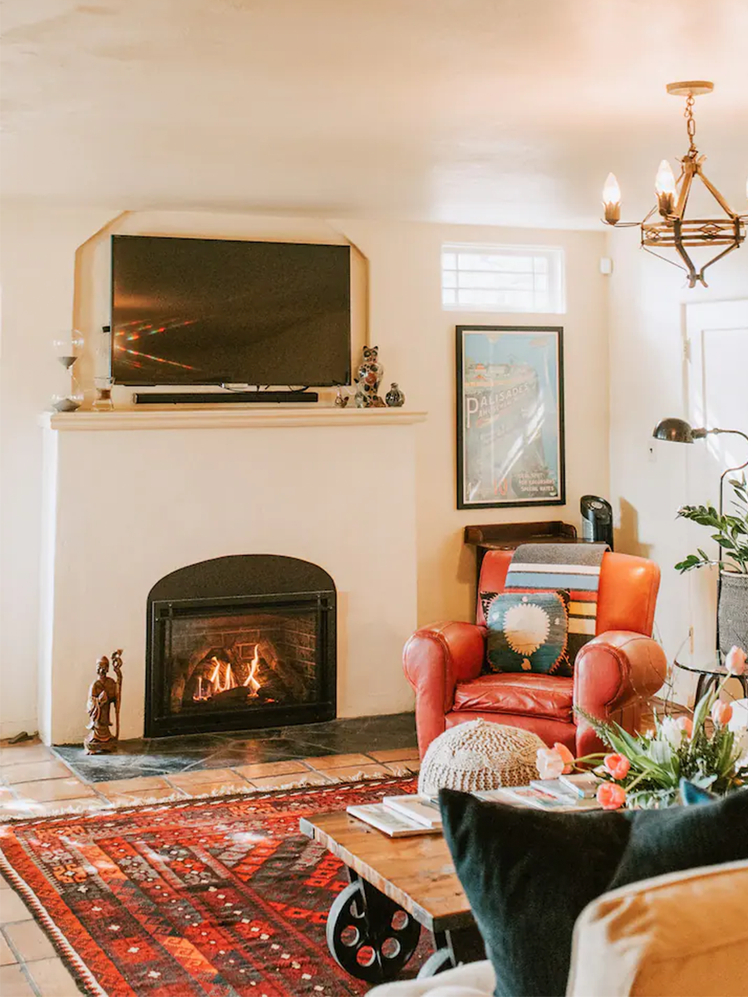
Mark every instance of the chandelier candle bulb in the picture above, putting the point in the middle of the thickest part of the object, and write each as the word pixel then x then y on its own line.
pixel 665 188
pixel 612 200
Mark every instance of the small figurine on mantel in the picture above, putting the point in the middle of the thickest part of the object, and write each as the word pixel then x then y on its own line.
pixel 370 374
pixel 395 397
pixel 104 694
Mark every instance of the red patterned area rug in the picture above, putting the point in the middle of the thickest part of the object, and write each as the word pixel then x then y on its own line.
pixel 220 897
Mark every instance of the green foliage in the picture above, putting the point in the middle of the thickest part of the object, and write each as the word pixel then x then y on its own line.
pixel 730 532
pixel 660 759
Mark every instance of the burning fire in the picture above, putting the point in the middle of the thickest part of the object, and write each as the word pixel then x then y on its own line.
pixel 222 678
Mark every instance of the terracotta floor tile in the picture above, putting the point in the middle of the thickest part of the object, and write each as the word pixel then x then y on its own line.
pixel 12 908
pixel 185 780
pixel 408 765
pixel 395 754
pixel 47 790
pixel 354 771
pixel 324 762
pixel 86 804
pixel 209 783
pixel 52 978
pixel 28 939
pixel 13 983
pixel 305 778
pixel 146 795
pixel 34 771
pixel 6 956
pixel 14 807
pixel 18 754
pixel 136 785
pixel 261 769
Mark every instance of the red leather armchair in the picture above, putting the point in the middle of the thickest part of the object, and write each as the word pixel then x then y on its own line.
pixel 614 673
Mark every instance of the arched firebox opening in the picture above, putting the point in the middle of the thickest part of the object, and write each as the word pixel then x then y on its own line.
pixel 240 642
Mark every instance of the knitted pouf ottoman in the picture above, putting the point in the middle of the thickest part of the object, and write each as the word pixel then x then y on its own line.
pixel 479 755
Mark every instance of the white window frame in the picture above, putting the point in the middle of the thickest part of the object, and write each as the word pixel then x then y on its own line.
pixel 555 268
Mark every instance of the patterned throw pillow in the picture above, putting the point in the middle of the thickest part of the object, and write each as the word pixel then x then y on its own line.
pixel 527 632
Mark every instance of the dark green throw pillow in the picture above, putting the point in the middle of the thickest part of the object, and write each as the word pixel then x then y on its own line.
pixel 680 838
pixel 529 874
pixel 528 631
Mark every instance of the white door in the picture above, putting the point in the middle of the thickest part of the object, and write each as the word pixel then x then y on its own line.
pixel 717 337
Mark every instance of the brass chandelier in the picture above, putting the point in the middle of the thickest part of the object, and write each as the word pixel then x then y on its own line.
pixel 672 230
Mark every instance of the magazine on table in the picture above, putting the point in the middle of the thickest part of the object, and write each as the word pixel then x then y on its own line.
pixel 583 784
pixel 388 822
pixel 529 796
pixel 555 788
pixel 418 808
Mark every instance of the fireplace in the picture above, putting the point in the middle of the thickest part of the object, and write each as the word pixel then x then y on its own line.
pixel 240 642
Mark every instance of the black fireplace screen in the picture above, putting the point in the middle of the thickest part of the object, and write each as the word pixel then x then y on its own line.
pixel 236 661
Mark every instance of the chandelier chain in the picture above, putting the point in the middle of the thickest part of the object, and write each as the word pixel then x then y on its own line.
pixel 690 123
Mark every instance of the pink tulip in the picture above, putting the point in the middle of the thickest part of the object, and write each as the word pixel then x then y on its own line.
pixel 550 763
pixel 685 724
pixel 735 662
pixel 617 765
pixel 611 796
pixel 721 713
pixel 566 756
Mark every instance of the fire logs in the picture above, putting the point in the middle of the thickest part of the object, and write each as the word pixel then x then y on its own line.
pixel 224 679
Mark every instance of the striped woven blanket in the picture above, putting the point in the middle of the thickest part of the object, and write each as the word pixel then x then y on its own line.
pixel 572 568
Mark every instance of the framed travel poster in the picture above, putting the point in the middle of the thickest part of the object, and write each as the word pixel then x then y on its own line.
pixel 510 416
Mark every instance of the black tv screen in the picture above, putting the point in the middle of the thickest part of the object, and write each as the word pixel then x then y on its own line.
pixel 215 311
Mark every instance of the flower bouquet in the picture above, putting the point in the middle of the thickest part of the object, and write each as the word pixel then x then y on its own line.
pixel 644 770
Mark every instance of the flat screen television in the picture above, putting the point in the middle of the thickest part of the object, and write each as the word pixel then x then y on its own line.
pixel 218 311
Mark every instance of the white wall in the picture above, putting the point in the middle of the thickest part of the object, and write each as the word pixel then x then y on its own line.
pixel 37 267
pixel 417 340
pixel 649 376
pixel 417 348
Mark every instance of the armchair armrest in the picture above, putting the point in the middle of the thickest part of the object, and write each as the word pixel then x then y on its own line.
pixel 614 670
pixel 435 658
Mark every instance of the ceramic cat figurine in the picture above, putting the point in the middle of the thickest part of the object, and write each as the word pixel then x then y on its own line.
pixel 370 374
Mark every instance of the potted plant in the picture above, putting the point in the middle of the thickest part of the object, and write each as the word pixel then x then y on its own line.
pixel 731 533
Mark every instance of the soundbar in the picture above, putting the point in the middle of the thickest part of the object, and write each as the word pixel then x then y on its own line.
pixel 221 398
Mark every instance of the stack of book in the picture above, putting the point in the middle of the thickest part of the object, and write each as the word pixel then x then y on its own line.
pixel 401 816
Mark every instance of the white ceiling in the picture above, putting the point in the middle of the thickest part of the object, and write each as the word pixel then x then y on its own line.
pixel 500 111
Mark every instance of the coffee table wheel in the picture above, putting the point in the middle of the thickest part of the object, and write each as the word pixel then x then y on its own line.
pixel 438 962
pixel 369 935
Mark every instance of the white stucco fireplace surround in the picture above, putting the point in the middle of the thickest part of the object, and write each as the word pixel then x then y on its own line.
pixel 132 495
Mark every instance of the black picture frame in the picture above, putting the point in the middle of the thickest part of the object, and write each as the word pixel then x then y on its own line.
pixel 541 474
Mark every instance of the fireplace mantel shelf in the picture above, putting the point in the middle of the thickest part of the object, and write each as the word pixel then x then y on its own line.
pixel 252 417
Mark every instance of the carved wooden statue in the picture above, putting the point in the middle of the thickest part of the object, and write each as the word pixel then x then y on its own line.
pixel 104 694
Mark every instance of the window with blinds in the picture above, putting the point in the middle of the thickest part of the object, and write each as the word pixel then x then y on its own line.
pixel 503 278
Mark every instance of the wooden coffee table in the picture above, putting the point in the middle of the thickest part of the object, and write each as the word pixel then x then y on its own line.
pixel 397 886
